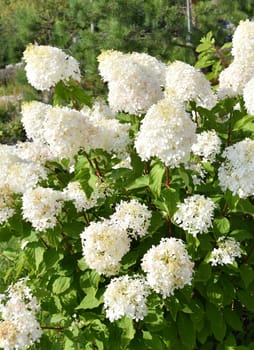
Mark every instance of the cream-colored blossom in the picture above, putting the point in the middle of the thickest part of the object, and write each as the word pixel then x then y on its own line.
pixel 195 214
pixel 33 115
pixel 134 80
pixel 207 146
pixel 233 79
pixel 236 173
pixel 47 65
pixel 229 249
pixel 67 131
pixel 19 328
pixel 126 296
pixel 186 83
pixel 168 266
pixel 132 216
pixel 7 205
pixel 243 41
pixel 248 96
pixel 41 207
pixel 104 245
pixel 166 132
pixel 112 136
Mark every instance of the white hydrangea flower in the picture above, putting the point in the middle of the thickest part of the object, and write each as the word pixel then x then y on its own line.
pixel 19 327
pixel 47 65
pixel 168 266
pixel 187 83
pixel 33 115
pixel 112 136
pixel 195 214
pixel 132 216
pixel 17 173
pixel 229 249
pixel 67 131
pixel 243 42
pixel 109 64
pixel 207 146
pixel 126 296
pixel 35 151
pixel 237 171
pixel 104 245
pixel 248 96
pixel 7 206
pixel 134 80
pixel 166 132
pixel 41 206
pixel 74 192
pixel 233 79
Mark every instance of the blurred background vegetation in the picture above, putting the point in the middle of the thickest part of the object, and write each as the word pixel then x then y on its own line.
pixel 84 27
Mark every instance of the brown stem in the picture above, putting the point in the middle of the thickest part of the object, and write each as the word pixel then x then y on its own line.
pixel 229 139
pixel 95 165
pixel 98 172
pixel 58 329
pixel 170 227
pixel 167 177
pixel 44 243
pixel 224 209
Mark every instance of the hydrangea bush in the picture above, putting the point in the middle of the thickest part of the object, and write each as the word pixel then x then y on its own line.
pixel 128 223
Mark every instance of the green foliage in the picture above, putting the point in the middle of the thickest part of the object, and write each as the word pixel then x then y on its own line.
pixel 216 311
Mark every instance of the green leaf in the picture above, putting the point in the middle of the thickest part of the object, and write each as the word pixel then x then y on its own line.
pixel 241 235
pixel 186 331
pixel 5 234
pixel 140 182
pixel 243 122
pixel 203 273
pixel 221 224
pixel 34 251
pixel 61 284
pixel 233 319
pixel 247 274
pixel 173 305
pixel 51 257
pixel 156 177
pixel 246 299
pixel 153 341
pixel 215 318
pixel 91 300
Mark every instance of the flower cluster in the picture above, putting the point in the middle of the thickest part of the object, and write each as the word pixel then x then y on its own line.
pixel 237 171
pixel 19 174
pixel 67 131
pixel 47 65
pixel 134 80
pixel 7 205
pixel 112 136
pixel 41 206
pixel 33 115
pixel 74 192
pixel 229 249
pixel 186 83
pixel 233 79
pixel 19 327
pixel 166 132
pixel 126 296
pixel 207 146
pixel 195 214
pixel 168 266
pixel 248 96
pixel 133 217
pixel 104 245
pixel 107 241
